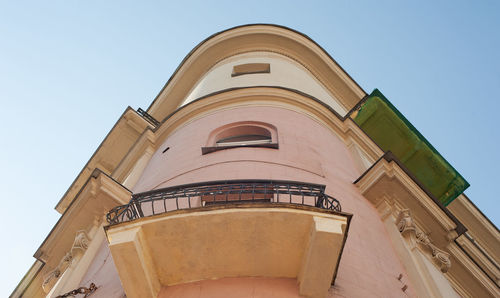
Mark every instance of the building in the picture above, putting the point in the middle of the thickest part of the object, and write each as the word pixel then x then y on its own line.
pixel 263 170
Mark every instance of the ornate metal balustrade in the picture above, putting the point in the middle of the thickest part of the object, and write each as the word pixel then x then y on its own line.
pixel 199 195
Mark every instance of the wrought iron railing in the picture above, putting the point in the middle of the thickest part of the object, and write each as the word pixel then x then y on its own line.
pixel 148 117
pixel 222 192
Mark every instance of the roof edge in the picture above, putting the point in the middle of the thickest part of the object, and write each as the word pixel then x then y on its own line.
pixel 176 71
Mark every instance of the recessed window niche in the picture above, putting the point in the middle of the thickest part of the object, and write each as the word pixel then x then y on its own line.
pixel 242 134
pixel 250 68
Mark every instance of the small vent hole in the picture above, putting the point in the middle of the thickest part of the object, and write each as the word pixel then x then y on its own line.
pixel 166 149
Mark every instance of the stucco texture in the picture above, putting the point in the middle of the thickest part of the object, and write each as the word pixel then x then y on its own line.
pixel 103 272
pixel 308 152
pixel 243 287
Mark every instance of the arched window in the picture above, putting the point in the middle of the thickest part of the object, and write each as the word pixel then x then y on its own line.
pixel 242 134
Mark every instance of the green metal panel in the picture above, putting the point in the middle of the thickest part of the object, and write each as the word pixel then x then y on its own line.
pixel 380 120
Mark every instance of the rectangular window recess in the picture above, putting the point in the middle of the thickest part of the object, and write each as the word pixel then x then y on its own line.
pixel 250 68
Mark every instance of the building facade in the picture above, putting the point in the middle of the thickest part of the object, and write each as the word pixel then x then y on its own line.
pixel 262 169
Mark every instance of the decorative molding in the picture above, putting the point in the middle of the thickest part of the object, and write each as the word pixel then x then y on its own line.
pixel 81 242
pixel 99 194
pixel 389 189
pixel 385 208
pixel 390 175
pixel 405 222
pixel 484 233
pixel 417 237
pixel 145 145
pixel 276 97
pixel 475 252
pixel 467 267
pixel 251 38
pixel 115 146
pixel 80 245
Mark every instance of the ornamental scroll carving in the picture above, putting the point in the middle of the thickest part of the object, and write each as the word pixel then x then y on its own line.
pixel 408 229
pixel 80 245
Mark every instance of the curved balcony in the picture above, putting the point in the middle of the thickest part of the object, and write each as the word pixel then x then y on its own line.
pixel 199 195
pixel 226 229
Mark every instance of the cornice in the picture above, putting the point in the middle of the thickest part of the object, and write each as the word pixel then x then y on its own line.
pixel 146 142
pixel 466 272
pixel 417 238
pixel 387 180
pixel 356 134
pixel 130 125
pixel 489 266
pixel 78 248
pixel 99 194
pixel 27 279
pixel 431 227
pixel 258 37
pixel 479 227
pixel 266 96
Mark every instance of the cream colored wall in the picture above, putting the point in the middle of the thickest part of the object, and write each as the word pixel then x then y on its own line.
pixel 285 72
pixel 103 274
pixel 79 265
pixel 444 287
pixel 94 266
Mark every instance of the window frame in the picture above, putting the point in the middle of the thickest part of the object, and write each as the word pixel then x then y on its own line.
pixel 239 129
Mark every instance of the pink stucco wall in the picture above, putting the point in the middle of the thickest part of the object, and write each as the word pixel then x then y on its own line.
pixel 308 152
pixel 102 272
pixel 238 287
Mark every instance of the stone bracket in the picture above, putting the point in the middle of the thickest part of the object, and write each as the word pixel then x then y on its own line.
pixel 134 263
pixel 80 245
pixel 321 257
pixel 417 238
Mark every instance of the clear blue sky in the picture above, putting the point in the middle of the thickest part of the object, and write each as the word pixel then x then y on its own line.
pixel 68 69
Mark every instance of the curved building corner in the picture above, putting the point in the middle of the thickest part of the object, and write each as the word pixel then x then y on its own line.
pixel 262 169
